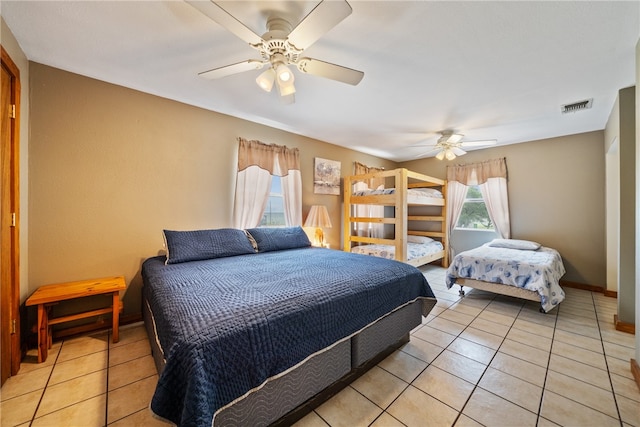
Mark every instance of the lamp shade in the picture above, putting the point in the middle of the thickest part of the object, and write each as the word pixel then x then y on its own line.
pixel 318 217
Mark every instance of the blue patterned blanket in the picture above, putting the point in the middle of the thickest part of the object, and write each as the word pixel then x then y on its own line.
pixel 538 271
pixel 226 325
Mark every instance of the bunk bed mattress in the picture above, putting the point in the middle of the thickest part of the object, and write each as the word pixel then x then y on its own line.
pixel 228 325
pixel 538 271
pixel 414 250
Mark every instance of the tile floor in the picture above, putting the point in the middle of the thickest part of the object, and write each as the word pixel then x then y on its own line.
pixel 481 360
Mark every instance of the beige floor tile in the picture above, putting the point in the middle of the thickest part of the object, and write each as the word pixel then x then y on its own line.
pixel 127 352
pixel 619 367
pixel 79 347
pixel 464 421
pixel 473 351
pixel 626 387
pixel 580 371
pixel 525 352
pixel 415 408
pixel 30 361
pixel 64 371
pixel 618 351
pixel 444 386
pixel 490 327
pixel 533 328
pixel 131 398
pixel 502 413
pixel 581 341
pixel 20 409
pixel 543 422
pixel 144 418
pixel 460 366
pixel 581 392
pixel 384 420
pixel 421 349
pixel 530 339
pixel 70 392
pixel 497 318
pixel 403 365
pixel 87 413
pixel 508 308
pixel 620 338
pixel 534 316
pixel 581 355
pixel 131 371
pixel 129 334
pixel 348 408
pixel 379 386
pixel 458 317
pixel 513 389
pixel 589 331
pixel 434 336
pixel 567 412
pixel 519 368
pixel 447 326
pixel 481 337
pixel 25 383
pixel 464 307
pixel 629 410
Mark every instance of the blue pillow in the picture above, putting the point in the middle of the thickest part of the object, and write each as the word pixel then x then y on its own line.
pixel 183 246
pixel 275 239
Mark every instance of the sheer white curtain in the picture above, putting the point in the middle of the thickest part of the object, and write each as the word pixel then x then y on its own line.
pixel 491 178
pixel 257 162
pixel 367 229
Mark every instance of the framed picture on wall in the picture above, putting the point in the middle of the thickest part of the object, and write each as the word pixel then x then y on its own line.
pixel 326 176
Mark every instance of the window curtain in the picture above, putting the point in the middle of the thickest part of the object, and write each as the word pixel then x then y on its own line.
pixel 491 178
pixel 368 229
pixel 257 162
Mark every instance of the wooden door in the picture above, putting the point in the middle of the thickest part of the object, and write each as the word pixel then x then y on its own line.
pixel 10 352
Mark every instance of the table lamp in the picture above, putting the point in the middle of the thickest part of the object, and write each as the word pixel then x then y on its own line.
pixel 319 218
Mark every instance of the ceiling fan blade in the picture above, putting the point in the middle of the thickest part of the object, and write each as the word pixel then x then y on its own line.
pixel 325 16
pixel 330 71
pixel 458 151
pixel 479 143
pixel 228 21
pixel 228 70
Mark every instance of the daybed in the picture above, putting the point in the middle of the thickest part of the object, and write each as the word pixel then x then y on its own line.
pixel 247 331
pixel 419 217
pixel 518 268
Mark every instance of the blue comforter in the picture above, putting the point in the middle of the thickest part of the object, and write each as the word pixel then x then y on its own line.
pixel 226 325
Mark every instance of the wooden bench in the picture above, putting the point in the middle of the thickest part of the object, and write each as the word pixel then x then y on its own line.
pixel 46 296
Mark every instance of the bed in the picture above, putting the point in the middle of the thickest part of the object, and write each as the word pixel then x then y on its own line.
pixel 249 328
pixel 518 268
pixel 419 216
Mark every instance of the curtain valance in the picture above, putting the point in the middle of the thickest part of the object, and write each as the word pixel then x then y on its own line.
pixel 276 159
pixel 477 173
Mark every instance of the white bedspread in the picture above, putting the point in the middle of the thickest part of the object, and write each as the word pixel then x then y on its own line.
pixel 538 271
pixel 414 250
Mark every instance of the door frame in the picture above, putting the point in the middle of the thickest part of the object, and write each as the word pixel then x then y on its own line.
pixel 14 229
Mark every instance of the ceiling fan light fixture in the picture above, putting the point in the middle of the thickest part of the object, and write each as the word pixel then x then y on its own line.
pixel 266 79
pixel 440 155
pixel 284 73
pixel 449 154
pixel 287 88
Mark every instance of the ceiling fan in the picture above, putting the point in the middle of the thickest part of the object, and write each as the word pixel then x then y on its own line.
pixel 450 145
pixel 282 45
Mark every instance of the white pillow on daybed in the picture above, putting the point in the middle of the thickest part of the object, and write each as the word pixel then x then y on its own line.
pixel 419 239
pixel 523 245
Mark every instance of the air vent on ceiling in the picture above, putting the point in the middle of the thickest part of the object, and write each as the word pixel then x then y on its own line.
pixel 577 106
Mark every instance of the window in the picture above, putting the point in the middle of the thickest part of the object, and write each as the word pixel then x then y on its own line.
pixel 274 212
pixel 474 213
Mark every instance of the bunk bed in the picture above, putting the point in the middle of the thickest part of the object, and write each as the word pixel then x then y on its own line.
pixel 419 223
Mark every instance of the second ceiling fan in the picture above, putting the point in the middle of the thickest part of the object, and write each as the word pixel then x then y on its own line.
pixel 450 144
pixel 282 46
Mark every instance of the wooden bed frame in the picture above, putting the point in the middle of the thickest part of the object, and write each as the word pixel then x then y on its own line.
pixel 402 180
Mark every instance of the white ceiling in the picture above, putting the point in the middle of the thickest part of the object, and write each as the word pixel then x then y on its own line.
pixel 490 70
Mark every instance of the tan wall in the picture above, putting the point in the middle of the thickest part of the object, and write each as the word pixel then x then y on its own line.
pixel 111 167
pixel 11 46
pixel 556 197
